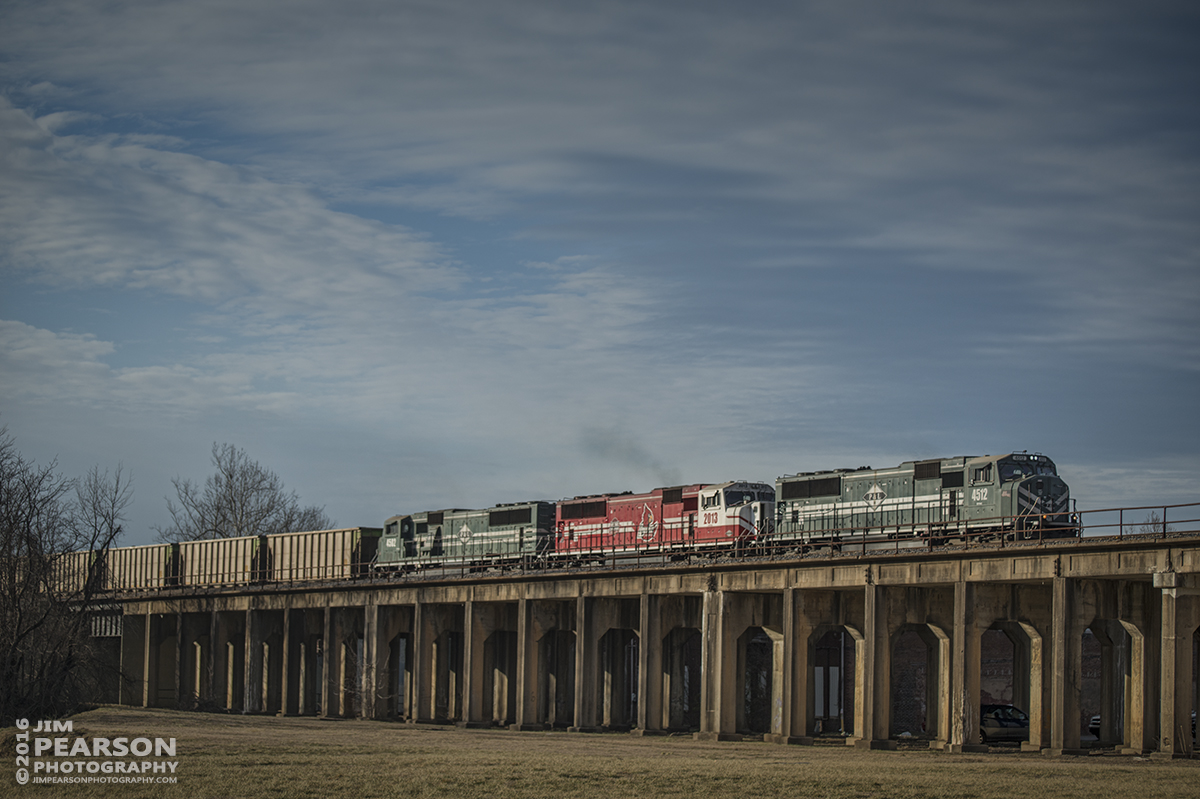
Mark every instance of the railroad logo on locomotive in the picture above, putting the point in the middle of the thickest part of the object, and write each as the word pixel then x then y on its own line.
pixel 648 527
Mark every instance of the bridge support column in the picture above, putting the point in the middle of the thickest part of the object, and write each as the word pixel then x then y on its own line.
pixel 253 695
pixel 181 659
pixel 585 678
pixel 793 674
pixel 371 663
pixel 1031 664
pixel 1066 667
pixel 650 667
pixel 1139 614
pixel 150 663
pixel 806 611
pixel 872 687
pixel 527 668
pixel 330 633
pixel 287 691
pixel 133 659
pixel 965 672
pixel 717 717
pixel 1180 619
pixel 213 662
pixel 423 677
pixel 479 622
pixel 1136 737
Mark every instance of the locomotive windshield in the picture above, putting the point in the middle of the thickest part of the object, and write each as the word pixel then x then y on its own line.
pixel 740 496
pixel 1015 470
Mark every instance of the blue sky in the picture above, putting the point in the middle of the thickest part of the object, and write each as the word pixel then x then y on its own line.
pixel 416 255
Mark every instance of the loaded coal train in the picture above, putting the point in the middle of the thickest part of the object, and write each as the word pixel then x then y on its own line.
pixel 918 503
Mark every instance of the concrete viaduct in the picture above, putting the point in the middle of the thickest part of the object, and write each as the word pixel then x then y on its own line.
pixel 725 648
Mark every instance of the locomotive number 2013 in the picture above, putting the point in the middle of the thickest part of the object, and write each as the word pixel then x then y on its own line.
pixel 711 517
pixel 979 495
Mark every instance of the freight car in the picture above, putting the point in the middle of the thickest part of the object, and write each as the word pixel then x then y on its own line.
pixel 319 555
pixel 1017 494
pixel 141 568
pixel 277 558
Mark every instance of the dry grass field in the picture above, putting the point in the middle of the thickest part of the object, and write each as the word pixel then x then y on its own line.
pixel 297 758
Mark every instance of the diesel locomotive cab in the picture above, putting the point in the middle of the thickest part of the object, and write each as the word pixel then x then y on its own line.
pixel 750 507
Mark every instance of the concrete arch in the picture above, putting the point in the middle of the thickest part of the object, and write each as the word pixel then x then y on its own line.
pixel 849 679
pixel 936 686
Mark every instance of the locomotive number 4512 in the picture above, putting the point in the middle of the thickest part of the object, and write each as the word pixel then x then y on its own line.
pixel 979 495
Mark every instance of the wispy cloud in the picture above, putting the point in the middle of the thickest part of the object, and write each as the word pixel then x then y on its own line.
pixel 532 246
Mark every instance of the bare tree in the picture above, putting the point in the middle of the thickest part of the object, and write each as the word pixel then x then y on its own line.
pixel 1154 525
pixel 52 550
pixel 242 498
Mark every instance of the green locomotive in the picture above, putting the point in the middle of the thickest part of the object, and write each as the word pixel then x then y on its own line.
pixel 502 534
pixel 1017 494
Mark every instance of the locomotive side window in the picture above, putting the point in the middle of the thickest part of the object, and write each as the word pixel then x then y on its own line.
pixel 1010 470
pixel 982 475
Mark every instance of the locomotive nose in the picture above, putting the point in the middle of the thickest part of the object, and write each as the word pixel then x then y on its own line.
pixel 1042 494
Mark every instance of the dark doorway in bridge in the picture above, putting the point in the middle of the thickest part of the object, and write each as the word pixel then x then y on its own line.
pixel 1100 655
pixel 681 679
pixel 997 669
pixel 619 679
pixel 833 664
pixel 164 693
pixel 500 677
pixel 1106 675
pixel 1195 688
pixel 447 670
pixel 756 649
pixel 230 660
pixel 1006 672
pixel 348 700
pixel 399 676
pixel 195 668
pixel 920 688
pixel 556 689
pixel 304 656
pixel 911 675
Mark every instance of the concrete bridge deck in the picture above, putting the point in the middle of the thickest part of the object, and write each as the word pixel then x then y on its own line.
pixel 727 649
